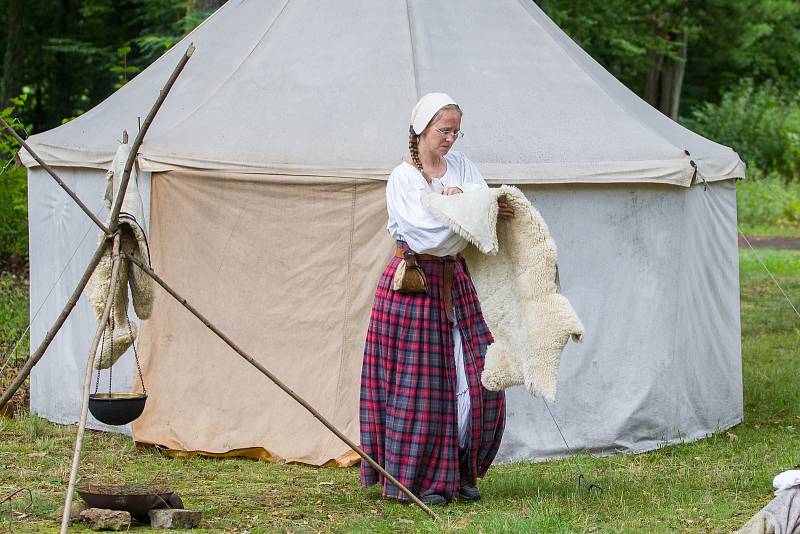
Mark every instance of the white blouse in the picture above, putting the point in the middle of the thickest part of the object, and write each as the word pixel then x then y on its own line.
pixel 408 218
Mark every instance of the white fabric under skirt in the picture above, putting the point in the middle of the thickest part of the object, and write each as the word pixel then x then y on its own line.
pixel 462 390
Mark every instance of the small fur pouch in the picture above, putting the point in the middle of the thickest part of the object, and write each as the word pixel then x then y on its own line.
pixel 409 276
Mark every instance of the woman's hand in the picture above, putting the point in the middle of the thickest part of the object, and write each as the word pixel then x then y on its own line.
pixel 506 211
pixel 450 191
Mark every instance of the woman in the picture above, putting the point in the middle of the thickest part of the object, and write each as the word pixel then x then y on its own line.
pixel 424 415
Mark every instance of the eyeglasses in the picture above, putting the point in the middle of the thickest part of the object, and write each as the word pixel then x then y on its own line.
pixel 456 135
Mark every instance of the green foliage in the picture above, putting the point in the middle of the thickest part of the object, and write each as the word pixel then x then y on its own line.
pixel 761 123
pixel 765 201
pixel 13 316
pixel 728 40
pixel 13 189
pixel 619 33
pixel 165 22
pixel 756 39
pixel 124 71
pixel 14 213
pixel 77 52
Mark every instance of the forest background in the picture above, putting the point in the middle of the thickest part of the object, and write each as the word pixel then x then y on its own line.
pixel 728 69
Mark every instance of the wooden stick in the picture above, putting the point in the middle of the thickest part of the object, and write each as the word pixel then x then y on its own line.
pixel 51 334
pixel 280 384
pixel 87 382
pixel 55 176
pixel 137 142
pixel 114 221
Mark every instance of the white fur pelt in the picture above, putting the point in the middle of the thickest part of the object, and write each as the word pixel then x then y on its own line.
pixel 513 266
pixel 133 240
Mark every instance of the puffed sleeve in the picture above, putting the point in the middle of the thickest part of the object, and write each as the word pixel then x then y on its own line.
pixel 472 179
pixel 410 221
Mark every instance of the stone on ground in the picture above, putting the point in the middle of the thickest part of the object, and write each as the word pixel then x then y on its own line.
pixel 74 512
pixel 174 518
pixel 102 519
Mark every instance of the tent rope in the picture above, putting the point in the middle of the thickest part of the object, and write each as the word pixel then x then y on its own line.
pixel 7 358
pixel 581 476
pixel 5 167
pixel 772 276
pixel 14 120
pixel 758 258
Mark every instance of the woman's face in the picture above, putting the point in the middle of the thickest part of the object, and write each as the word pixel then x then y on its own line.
pixel 433 140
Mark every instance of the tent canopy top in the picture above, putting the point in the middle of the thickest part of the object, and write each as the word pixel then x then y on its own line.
pixel 325 89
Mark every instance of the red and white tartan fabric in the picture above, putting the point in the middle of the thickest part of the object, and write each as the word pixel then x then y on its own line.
pixel 408 411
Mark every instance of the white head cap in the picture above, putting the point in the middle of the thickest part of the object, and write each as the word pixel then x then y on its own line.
pixel 426 108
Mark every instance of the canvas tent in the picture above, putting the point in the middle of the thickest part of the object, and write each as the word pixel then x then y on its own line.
pixel 264 175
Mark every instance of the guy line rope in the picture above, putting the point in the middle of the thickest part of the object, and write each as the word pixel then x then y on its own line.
pixel 758 257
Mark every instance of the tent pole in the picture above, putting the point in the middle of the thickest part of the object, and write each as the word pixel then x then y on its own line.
pixel 51 334
pixel 112 226
pixel 280 384
pixel 55 176
pixel 113 221
pixel 87 382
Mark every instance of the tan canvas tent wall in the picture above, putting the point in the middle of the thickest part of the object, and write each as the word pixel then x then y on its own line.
pixel 264 176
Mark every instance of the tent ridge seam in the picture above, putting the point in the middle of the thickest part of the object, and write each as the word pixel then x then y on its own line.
pixel 234 71
pixel 552 33
pixel 413 53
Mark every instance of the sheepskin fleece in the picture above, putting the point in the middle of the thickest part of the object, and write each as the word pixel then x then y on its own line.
pixel 133 240
pixel 513 266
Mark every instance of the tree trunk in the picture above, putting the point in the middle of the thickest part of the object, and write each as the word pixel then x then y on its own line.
pixel 651 86
pixel 665 78
pixel 13 60
pixel 677 67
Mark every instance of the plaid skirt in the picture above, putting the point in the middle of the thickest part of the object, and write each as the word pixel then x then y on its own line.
pixel 408 409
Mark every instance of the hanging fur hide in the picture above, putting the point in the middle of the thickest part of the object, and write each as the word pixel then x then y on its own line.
pixel 513 266
pixel 120 332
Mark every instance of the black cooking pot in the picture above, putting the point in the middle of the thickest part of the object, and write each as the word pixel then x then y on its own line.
pixel 133 498
pixel 116 408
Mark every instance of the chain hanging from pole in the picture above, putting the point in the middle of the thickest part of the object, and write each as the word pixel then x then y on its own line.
pixel 109 329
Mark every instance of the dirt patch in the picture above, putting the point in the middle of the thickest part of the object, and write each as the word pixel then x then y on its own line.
pixel 788 243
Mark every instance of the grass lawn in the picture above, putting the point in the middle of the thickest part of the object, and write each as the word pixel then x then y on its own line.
pixel 713 485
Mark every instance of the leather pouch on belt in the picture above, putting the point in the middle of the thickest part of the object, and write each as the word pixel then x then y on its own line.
pixel 409 276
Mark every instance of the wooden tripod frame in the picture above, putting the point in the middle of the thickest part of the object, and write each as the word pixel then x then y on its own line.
pixel 112 241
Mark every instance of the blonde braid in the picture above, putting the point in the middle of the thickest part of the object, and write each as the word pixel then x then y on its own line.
pixel 413 149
